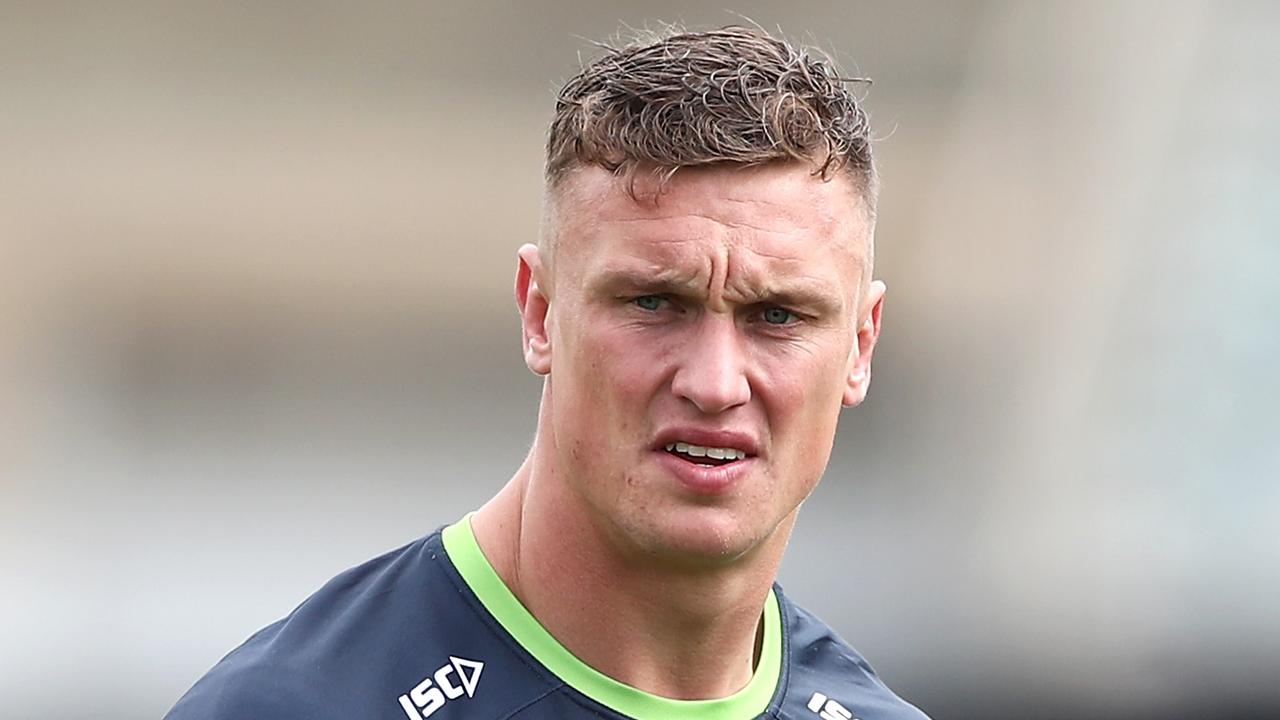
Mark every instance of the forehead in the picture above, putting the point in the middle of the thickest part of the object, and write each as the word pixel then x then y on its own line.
pixel 790 187
pixel 775 215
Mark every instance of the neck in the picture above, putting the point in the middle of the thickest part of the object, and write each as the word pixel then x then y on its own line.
pixel 665 628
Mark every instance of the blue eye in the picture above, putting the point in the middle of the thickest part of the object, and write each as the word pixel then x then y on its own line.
pixel 648 302
pixel 778 316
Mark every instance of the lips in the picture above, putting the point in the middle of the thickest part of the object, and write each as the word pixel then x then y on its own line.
pixel 742 444
pixel 706 461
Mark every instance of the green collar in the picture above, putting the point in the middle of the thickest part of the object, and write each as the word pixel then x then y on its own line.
pixel 749 702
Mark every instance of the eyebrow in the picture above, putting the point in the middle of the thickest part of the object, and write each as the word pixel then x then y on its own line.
pixel 664 281
pixel 815 297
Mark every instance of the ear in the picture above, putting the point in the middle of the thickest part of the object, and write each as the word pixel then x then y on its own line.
pixel 534 305
pixel 859 378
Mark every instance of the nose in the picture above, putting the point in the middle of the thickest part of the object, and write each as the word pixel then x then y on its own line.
pixel 712 373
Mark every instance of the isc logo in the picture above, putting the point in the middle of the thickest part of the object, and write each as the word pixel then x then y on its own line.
pixel 828 709
pixel 430 694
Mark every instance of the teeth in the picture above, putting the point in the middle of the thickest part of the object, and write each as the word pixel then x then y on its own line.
pixel 711 452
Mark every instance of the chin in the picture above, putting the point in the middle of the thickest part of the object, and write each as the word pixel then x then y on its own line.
pixel 698 537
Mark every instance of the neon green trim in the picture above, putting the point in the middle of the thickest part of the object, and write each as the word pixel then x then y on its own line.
pixel 749 702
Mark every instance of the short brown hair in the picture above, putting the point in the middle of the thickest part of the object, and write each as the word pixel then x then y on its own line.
pixel 730 96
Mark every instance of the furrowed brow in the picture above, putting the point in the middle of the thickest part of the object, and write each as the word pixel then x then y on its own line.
pixel 815 298
pixel 641 282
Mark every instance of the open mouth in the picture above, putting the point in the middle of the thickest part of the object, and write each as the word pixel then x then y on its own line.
pixel 702 455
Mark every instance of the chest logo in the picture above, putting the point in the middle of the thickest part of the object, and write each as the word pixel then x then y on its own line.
pixel 829 709
pixel 454 679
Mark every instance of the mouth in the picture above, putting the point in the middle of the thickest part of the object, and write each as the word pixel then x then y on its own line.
pixel 704 455
pixel 707 463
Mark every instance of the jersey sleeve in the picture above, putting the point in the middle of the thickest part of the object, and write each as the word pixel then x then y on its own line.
pixel 240 689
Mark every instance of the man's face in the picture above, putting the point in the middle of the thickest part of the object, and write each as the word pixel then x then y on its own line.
pixel 699 350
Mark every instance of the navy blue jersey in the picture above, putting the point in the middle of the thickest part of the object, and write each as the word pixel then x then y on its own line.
pixel 430 631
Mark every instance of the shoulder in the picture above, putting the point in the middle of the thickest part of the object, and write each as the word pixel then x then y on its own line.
pixel 233 690
pixel 827 678
pixel 339 645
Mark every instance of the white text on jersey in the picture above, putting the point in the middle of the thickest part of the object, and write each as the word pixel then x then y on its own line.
pixel 433 692
pixel 829 709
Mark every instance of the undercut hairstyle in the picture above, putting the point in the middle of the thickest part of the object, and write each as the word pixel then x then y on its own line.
pixel 733 96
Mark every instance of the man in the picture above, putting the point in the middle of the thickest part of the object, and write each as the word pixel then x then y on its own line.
pixel 700 305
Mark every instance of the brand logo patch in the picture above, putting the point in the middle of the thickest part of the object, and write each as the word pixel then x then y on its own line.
pixel 454 679
pixel 829 709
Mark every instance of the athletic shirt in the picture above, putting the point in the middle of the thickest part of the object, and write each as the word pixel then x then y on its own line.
pixel 430 631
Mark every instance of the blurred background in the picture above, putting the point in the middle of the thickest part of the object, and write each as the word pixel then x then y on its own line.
pixel 256 326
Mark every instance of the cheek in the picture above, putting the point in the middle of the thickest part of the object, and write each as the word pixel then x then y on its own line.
pixel 609 377
pixel 802 393
pixel 631 361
